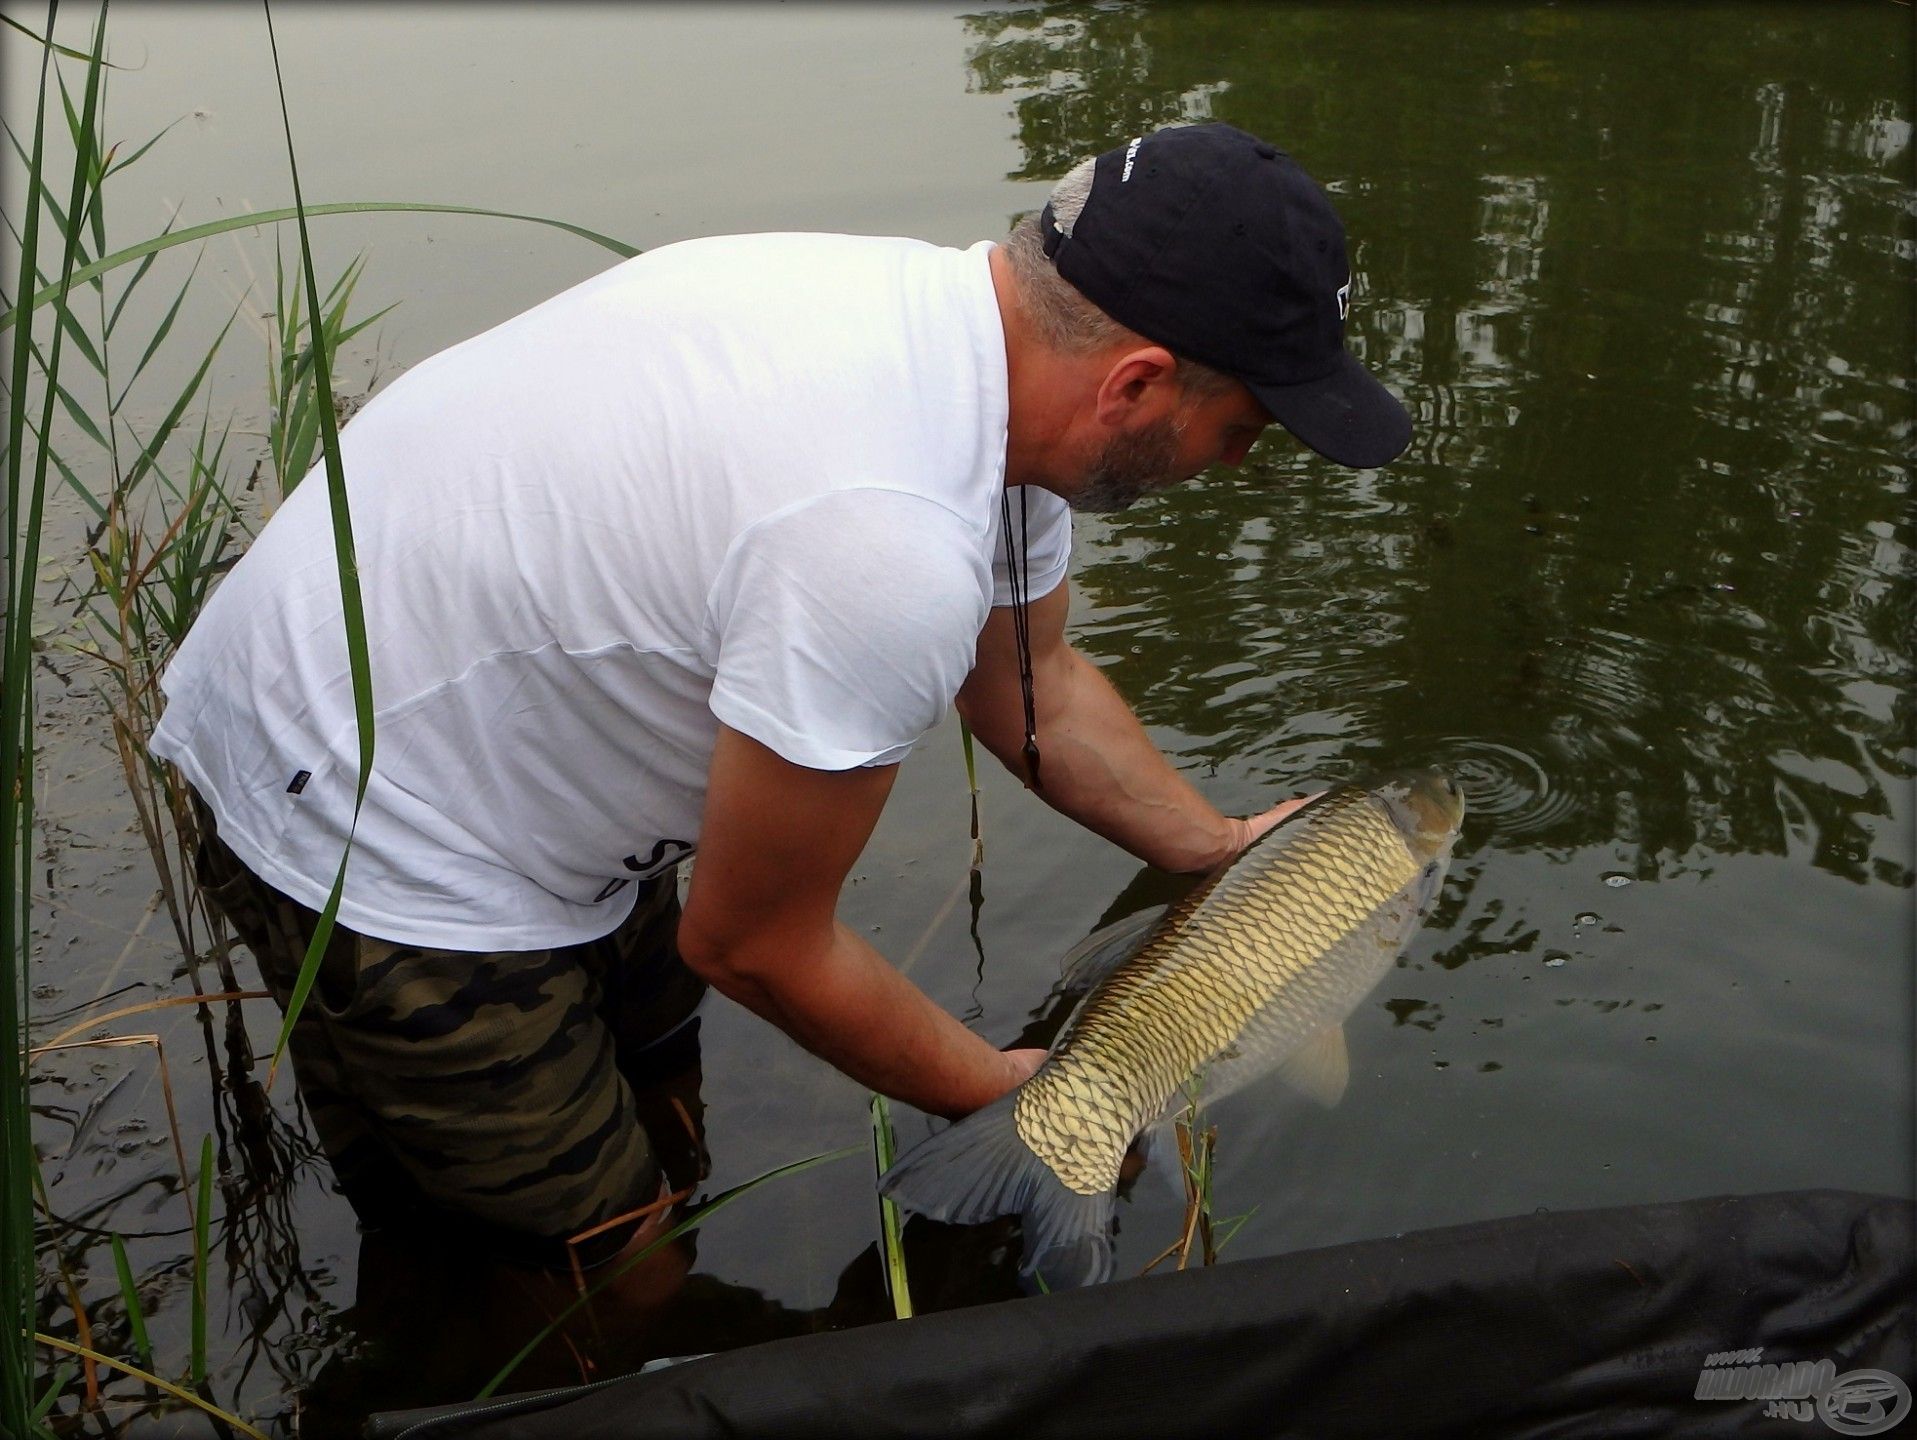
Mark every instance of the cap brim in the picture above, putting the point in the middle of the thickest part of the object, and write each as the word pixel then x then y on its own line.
pixel 1347 416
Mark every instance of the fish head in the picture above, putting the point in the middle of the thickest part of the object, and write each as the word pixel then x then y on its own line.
pixel 1427 807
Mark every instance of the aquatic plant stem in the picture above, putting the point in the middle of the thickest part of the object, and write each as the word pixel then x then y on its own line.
pixel 82 1323
pixel 177 1392
pixel 891 1238
pixel 16 740
pixel 130 1297
pixel 971 784
pixel 202 1225
pixel 1195 1150
pixel 168 1002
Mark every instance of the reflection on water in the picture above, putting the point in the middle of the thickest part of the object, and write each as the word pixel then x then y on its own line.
pixel 1650 550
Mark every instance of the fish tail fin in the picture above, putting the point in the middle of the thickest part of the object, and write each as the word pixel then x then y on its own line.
pixel 980 1168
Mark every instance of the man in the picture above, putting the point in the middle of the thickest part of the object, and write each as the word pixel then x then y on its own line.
pixel 690 556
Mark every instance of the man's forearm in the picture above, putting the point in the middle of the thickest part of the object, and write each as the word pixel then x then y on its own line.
pixel 846 1005
pixel 1097 765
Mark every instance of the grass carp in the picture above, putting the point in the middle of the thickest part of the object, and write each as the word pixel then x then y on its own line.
pixel 1253 972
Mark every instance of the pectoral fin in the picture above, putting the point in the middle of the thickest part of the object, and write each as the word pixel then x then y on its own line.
pixel 1103 951
pixel 1320 1068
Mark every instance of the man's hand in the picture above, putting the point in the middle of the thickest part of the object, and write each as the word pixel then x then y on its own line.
pixel 1248 828
pixel 1023 1065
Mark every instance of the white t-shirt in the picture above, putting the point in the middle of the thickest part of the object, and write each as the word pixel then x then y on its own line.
pixel 752 479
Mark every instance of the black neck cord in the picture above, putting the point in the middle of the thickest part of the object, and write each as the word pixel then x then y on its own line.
pixel 1015 568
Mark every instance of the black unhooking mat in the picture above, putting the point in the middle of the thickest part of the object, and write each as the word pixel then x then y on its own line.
pixel 1591 1323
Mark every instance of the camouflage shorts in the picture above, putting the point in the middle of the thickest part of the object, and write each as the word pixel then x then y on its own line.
pixel 484 1086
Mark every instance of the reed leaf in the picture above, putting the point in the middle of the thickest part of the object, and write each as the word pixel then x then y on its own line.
pixel 971 785
pixel 75 483
pixel 352 608
pixel 161 331
pixel 202 1226
pixel 145 266
pixel 86 150
pixel 227 224
pixel 130 1297
pixel 42 41
pixel 893 1245
pixel 61 1378
pixel 115 166
pixel 178 1392
pixel 150 451
pixel 77 413
pixel 16 744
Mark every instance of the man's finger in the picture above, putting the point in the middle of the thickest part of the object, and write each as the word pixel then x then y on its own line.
pixel 1256 825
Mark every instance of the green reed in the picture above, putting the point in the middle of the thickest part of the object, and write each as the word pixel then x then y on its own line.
pixel 352 607
pixel 891 1237
pixel 1197 1149
pixel 130 1297
pixel 26 508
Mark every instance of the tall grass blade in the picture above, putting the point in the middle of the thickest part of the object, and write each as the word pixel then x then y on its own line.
pixel 230 223
pixel 130 1297
pixel 178 1392
pixel 883 1151
pixel 352 609
pixel 202 1227
pixel 86 145
pixel 62 1377
pixel 146 265
pixel 76 412
pixel 115 166
pixel 971 784
pixel 150 451
pixel 74 483
pixel 1228 1228
pixel 41 40
pixel 690 1223
pixel 16 748
pixel 161 331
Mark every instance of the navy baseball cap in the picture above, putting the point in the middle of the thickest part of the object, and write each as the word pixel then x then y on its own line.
pixel 1218 246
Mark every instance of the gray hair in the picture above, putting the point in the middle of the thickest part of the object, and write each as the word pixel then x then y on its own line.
pixel 1064 319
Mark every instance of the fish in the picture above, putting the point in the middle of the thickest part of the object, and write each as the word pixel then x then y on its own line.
pixel 1251 973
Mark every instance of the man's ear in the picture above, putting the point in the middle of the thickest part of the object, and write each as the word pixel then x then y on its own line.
pixel 1140 386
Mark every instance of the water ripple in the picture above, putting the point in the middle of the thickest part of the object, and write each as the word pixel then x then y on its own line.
pixel 1503 787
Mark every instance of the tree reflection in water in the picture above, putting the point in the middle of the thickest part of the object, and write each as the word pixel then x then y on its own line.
pixel 1644 575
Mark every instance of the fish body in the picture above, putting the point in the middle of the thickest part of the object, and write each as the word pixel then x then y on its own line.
pixel 1254 971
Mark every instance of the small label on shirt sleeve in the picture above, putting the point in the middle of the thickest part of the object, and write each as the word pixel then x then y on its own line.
pixel 299 782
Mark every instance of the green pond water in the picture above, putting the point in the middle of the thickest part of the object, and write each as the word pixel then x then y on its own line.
pixel 1642 582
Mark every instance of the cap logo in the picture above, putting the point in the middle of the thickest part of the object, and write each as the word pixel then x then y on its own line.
pixel 1344 301
pixel 1131 153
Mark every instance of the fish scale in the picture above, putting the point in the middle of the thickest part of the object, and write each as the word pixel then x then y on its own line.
pixel 1237 949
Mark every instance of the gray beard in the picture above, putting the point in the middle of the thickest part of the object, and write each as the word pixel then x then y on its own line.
pixel 1129 467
